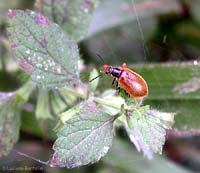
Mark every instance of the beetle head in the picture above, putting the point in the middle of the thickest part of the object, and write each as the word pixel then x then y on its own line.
pixel 107 69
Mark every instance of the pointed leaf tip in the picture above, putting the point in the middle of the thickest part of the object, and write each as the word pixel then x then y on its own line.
pixel 148 130
pixel 85 138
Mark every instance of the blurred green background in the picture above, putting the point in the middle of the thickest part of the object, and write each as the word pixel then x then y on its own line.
pixel 159 39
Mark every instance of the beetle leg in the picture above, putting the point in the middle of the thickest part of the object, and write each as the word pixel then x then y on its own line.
pixel 126 93
pixel 118 89
pixel 114 80
pixel 117 86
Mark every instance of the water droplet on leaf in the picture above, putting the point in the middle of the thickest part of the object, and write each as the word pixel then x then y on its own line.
pixel 28 51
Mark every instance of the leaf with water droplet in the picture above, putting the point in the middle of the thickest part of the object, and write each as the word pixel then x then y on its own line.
pixel 73 16
pixel 43 49
pixel 9 123
pixel 85 138
pixel 148 130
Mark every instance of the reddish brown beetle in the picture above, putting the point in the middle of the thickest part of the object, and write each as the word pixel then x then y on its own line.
pixel 129 80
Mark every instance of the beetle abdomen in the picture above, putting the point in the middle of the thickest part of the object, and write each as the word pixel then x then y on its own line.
pixel 133 83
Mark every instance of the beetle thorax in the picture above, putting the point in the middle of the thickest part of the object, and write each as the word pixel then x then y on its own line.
pixel 116 72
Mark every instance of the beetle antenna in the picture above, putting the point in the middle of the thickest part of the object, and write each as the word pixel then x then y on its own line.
pixel 100 57
pixel 96 77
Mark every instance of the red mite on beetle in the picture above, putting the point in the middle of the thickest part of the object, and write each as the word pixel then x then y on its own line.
pixel 133 84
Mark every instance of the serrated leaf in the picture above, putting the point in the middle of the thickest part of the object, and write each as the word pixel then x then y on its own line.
pixel 73 16
pixel 85 138
pixel 9 123
pixel 148 130
pixel 43 49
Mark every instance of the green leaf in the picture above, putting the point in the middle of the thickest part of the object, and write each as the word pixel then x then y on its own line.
pixel 85 138
pixel 187 117
pixel 170 81
pixel 173 87
pixel 73 16
pixel 148 130
pixel 43 49
pixel 9 123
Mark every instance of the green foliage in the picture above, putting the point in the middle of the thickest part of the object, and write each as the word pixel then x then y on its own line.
pixel 43 49
pixel 51 59
pixel 73 16
pixel 130 161
pixel 86 117
pixel 169 91
pixel 9 123
pixel 148 130
pixel 84 138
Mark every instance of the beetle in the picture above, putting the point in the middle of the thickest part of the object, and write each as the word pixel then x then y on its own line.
pixel 133 84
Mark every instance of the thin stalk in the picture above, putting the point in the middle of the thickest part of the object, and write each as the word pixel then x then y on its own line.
pixel 111 104
pixel 74 92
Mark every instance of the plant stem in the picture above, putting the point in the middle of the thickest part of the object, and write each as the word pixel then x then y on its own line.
pixel 74 92
pixel 111 104
pixel 106 103
pixel 3 52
